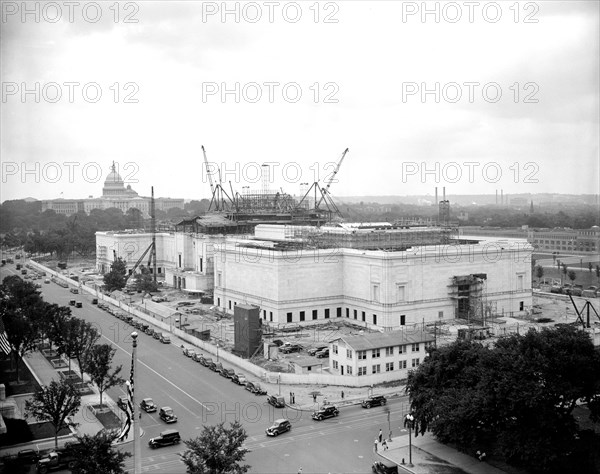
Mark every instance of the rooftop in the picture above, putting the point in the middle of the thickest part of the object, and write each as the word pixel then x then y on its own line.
pixel 379 340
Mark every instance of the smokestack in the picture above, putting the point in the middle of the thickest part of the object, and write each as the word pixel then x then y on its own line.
pixel 444 191
pixel 496 197
pixel 502 197
pixel 436 196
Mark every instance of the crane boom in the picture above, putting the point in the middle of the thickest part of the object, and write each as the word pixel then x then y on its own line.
pixel 210 180
pixel 337 168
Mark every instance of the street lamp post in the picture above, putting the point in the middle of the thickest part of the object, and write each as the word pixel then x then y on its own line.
pixel 279 383
pixel 409 420
pixel 137 458
pixel 217 352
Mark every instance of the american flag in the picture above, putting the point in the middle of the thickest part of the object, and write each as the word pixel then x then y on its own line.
pixel 4 344
pixel 129 407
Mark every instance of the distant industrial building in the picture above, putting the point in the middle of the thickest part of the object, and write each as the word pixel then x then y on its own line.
pixel 114 195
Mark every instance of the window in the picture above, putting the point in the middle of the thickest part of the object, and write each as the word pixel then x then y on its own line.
pixel 374 319
pixel 229 304
pixel 401 364
pixel 335 364
pixel 315 313
pixel 355 314
pixel 400 293
pixel 364 317
pixel 521 305
pixel 347 312
pixel 271 316
pixel 349 370
pixel 264 314
pixel 440 314
pixel 349 353
pixel 402 319
pixel 415 348
pixel 218 301
pixel 219 275
pixel 289 317
pixel 400 349
pixel 327 313
pixel 179 260
pixel 389 366
pixel 339 312
pixel 301 315
pixel 520 283
pixel 376 293
pixel 361 354
pixel 376 369
pixel 335 351
pixel 389 351
pixel 375 353
pixel 362 371
pixel 415 362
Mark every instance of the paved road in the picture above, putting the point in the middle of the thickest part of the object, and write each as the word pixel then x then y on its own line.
pixel 200 397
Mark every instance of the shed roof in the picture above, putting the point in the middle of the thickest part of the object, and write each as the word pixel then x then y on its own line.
pixel 378 340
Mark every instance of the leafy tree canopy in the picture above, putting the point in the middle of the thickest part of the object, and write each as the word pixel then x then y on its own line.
pixel 96 454
pixel 117 277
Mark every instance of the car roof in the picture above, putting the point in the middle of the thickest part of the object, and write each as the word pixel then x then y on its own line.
pixel 166 408
pixel 148 400
pixel 280 420
pixel 168 432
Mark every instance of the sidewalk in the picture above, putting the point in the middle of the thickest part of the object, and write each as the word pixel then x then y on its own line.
pixel 429 457
pixel 87 423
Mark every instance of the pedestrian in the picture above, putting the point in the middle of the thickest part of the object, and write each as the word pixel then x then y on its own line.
pixel 315 397
pixel 380 435
pixel 342 394
pixel 293 398
pixel 375 445
pixel 384 445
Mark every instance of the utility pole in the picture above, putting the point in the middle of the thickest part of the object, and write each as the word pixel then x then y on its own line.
pixel 137 455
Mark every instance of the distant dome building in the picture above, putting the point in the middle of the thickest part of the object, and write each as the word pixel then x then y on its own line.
pixel 114 195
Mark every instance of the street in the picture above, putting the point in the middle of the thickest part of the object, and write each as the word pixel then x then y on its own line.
pixel 201 397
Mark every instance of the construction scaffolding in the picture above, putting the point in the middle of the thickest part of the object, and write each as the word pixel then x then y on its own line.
pixel 470 294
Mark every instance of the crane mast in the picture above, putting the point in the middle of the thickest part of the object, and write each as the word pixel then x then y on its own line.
pixel 210 180
pixel 337 168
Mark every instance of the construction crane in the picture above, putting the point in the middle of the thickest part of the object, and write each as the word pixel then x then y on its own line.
pixel 210 180
pixel 137 264
pixel 337 168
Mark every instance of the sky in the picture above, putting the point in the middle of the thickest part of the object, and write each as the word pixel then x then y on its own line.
pixel 471 96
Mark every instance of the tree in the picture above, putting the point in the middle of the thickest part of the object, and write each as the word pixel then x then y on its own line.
pixel 83 336
pixel 55 403
pixel 96 454
pixel 590 267
pixel 539 272
pixel 144 281
pixel 572 275
pixel 117 277
pixel 217 450
pixel 20 310
pixel 516 398
pixel 565 270
pixel 97 364
pixel 598 271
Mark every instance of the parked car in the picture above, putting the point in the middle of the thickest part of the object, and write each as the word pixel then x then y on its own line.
pixel 255 388
pixel 228 373
pixel 15 462
pixel 197 357
pixel 577 290
pixel 291 348
pixel 373 401
pixel 94 300
pixel 325 412
pixel 54 461
pixel 189 352
pixel 240 379
pixel 78 304
pixel 208 362
pixel 75 291
pixel 166 438
pixel 149 331
pixel 278 342
pixel 276 400
pixel 148 405
pixel 322 354
pixel 590 292
pixel 313 350
pixel 165 339
pixel 156 335
pixel 72 302
pixel 47 280
pixel 556 289
pixel 384 467
pixel 279 426
pixel 216 367
pixel 167 415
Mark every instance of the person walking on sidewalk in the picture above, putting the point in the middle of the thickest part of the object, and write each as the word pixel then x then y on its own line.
pixel 384 444
pixel 375 445
pixel 380 436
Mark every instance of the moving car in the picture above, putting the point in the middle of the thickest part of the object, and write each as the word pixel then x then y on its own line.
pixel 72 302
pixel 94 300
pixel 325 412
pixel 166 438
pixel 148 405
pixel 47 280
pixel 166 414
pixel 75 291
pixel 373 401
pixel 78 304
pixel 384 467
pixel 279 426
pixel 276 400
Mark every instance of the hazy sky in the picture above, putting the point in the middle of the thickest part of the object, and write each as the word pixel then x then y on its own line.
pixel 474 96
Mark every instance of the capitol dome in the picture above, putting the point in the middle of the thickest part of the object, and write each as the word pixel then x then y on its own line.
pixel 114 186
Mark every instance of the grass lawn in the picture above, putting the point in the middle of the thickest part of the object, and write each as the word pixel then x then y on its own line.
pixel 8 376
pixel 109 420
pixel 46 430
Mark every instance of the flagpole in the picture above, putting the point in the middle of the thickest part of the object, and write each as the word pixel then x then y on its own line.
pixel 137 459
